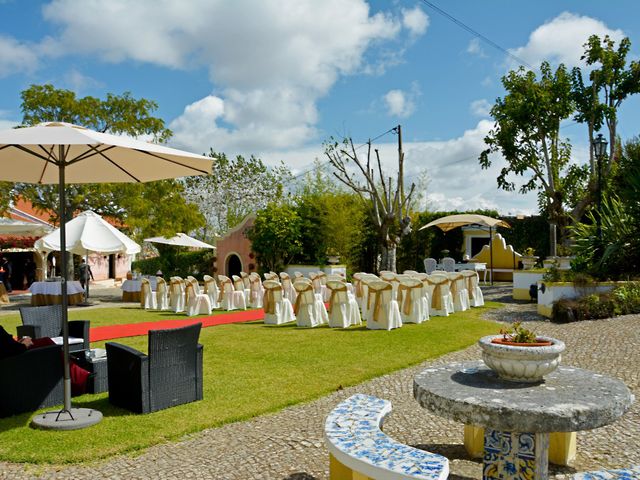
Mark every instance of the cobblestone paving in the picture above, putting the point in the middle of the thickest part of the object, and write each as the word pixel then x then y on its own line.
pixel 288 445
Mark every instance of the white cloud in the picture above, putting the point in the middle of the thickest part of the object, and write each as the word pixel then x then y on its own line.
pixel 480 108
pixel 270 62
pixel 475 48
pixel 16 57
pixel 78 81
pixel 561 39
pixel 398 103
pixel 456 180
pixel 415 20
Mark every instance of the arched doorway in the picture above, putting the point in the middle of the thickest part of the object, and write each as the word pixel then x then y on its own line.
pixel 234 265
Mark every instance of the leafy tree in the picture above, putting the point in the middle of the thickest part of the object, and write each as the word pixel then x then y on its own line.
pixel 149 208
pixel 527 134
pixel 388 206
pixel 235 188
pixel 275 236
pixel 597 103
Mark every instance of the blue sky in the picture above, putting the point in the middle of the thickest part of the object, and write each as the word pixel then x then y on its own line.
pixel 277 78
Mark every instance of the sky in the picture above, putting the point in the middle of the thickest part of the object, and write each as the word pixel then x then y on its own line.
pixel 278 78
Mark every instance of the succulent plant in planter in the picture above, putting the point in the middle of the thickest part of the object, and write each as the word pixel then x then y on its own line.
pixel 519 355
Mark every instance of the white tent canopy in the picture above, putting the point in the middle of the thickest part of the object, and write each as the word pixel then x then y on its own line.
pixel 9 226
pixel 86 233
pixel 181 240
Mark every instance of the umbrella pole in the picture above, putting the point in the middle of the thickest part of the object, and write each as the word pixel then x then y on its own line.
pixel 491 253
pixel 63 272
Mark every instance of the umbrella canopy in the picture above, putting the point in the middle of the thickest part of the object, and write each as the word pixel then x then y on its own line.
pixel 9 226
pixel 58 152
pixel 89 232
pixel 453 221
pixel 180 239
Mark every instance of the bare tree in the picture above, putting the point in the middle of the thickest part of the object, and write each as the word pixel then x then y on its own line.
pixel 387 203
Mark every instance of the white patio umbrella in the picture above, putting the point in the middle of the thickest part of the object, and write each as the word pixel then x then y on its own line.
pixel 87 233
pixel 56 153
pixel 8 226
pixel 181 240
pixel 453 221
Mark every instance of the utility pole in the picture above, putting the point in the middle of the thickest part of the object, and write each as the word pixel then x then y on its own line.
pixel 400 162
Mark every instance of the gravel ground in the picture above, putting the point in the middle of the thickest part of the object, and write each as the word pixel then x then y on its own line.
pixel 288 445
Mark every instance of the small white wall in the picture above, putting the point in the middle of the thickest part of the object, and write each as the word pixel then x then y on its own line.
pixel 522 280
pixel 555 291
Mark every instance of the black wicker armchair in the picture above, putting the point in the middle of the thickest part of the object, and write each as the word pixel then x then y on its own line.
pixel 46 321
pixel 31 380
pixel 170 375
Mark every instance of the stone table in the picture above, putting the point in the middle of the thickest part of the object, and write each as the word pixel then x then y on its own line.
pixel 518 417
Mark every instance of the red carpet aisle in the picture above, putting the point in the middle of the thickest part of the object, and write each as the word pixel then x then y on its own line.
pixel 135 329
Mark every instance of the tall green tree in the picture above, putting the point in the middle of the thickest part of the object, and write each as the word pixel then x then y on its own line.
pixel 275 236
pixel 235 188
pixel 146 209
pixel 527 134
pixel 611 82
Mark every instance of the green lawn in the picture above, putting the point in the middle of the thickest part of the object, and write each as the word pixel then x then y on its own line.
pixel 249 369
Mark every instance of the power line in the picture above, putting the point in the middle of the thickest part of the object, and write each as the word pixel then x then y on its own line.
pixel 475 33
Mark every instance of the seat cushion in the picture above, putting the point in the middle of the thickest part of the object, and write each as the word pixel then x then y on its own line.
pixel 72 340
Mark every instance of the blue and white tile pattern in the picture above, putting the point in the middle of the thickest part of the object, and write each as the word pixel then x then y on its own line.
pixel 353 429
pixel 632 473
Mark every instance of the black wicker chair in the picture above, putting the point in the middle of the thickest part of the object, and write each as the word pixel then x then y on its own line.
pixel 170 375
pixel 31 380
pixel 46 321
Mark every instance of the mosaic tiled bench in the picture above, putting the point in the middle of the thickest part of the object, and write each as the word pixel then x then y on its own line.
pixel 360 450
pixel 632 473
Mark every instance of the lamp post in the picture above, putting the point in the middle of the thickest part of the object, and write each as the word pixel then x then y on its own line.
pixel 600 150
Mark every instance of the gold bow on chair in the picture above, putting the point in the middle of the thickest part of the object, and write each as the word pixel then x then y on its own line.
pixel 436 297
pixel 296 305
pixel 254 285
pixel 222 288
pixel 407 304
pixel 470 281
pixel 269 299
pixel 334 293
pixel 453 285
pixel 377 304
pixel 144 287
pixel 189 292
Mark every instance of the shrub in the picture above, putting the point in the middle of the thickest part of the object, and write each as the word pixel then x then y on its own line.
pixel 622 300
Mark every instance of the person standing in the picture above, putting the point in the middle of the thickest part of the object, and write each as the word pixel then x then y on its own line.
pixel 85 274
pixel 5 266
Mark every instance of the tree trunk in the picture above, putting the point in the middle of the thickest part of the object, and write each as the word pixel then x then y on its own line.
pixel 388 257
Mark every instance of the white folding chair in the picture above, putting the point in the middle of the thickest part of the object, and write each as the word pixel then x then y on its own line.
pixel 430 265
pixel 176 294
pixel 229 298
pixel 147 298
pixel 196 285
pixel 476 299
pixel 441 301
pixel 287 287
pixel 309 308
pixel 277 309
pixel 211 290
pixel 256 291
pixel 196 303
pixel 413 305
pixel 343 308
pixel 458 292
pixel 448 264
pixel 238 286
pixel 385 314
pixel 162 294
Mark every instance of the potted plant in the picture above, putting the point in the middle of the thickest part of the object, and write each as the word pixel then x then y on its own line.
pixel 333 257
pixel 549 262
pixel 564 258
pixel 519 355
pixel 529 258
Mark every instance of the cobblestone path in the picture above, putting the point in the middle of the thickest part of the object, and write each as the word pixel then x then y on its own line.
pixel 288 445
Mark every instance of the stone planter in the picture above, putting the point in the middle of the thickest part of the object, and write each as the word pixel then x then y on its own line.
pixel 333 259
pixel 518 363
pixel 550 262
pixel 563 263
pixel 529 261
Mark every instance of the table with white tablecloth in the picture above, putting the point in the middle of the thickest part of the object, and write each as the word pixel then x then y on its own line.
pixel 50 293
pixel 131 288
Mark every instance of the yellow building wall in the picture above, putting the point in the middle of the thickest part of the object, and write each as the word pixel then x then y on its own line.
pixel 504 258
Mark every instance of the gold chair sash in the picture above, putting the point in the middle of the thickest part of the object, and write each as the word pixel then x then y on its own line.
pixel 296 305
pixel 453 285
pixel 222 288
pixel 144 288
pixel 254 286
pixel 377 304
pixel 436 297
pixel 407 304
pixel 189 292
pixel 269 299
pixel 358 287
pixel 334 293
